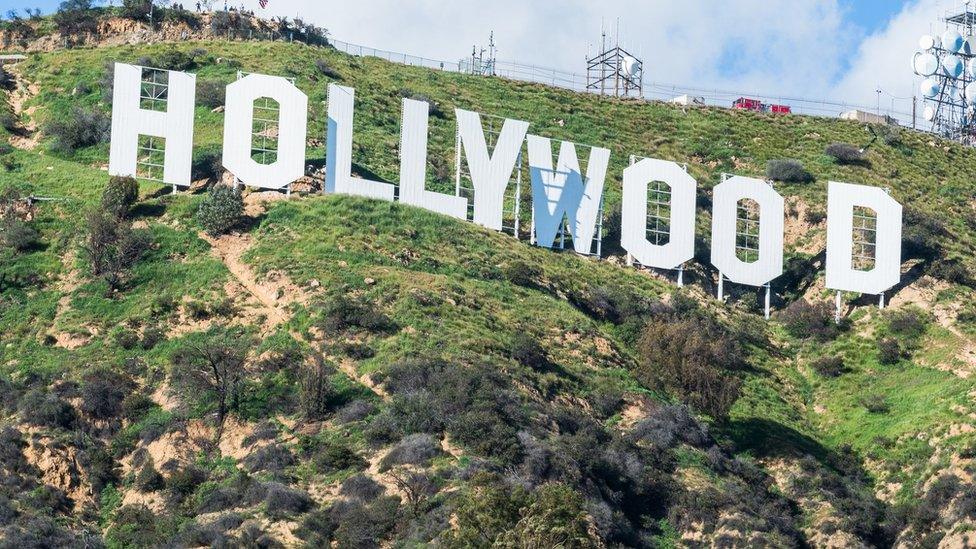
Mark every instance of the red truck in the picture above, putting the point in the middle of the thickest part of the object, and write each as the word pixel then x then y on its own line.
pixel 748 104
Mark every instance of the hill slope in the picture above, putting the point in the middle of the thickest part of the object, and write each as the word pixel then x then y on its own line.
pixel 408 378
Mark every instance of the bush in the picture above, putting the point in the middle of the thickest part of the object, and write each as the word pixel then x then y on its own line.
pixel 77 129
pixel 133 526
pixel 120 194
pixel 691 358
pixel 788 171
pixel 908 324
pixel 273 458
pixel 342 313
pixel 527 351
pixel 416 449
pixel 327 70
pixel 221 210
pixel 334 456
pixel 76 17
pixel 211 94
pixel 17 234
pixel 876 404
pixel 434 108
pixel 523 274
pixel 112 246
pixel 362 488
pixel 282 502
pixel 831 366
pixel 844 153
pixel 137 10
pixel 103 392
pixel 889 351
pixel 356 410
pixel 7 81
pixel 316 393
pixel 149 479
pixel 804 320
pixel 47 409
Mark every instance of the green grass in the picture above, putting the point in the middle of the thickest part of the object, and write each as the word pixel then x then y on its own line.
pixel 442 282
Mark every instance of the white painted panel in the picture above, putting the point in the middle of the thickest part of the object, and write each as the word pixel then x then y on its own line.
pixel 338 156
pixel 490 172
pixel 175 125
pixel 413 165
pixel 633 217
pixel 726 198
pixel 562 192
pixel 841 275
pixel 239 125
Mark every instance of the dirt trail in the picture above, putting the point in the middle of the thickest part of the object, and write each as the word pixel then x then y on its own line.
pixel 229 249
pixel 27 135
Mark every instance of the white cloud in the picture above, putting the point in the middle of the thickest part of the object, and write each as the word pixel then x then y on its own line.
pixel 767 47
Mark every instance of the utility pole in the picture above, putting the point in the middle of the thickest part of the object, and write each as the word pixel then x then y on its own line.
pixel 914 102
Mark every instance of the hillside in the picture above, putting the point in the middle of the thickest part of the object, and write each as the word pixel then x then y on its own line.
pixel 402 378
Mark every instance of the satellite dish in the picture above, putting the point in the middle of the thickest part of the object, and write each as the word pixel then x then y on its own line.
pixel 927 42
pixel 930 88
pixel 631 66
pixel 928 113
pixel 952 41
pixel 971 93
pixel 925 64
pixel 952 66
pixel 969 46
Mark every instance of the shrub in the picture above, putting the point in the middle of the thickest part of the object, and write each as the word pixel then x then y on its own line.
pixel 416 449
pixel 876 404
pixel 907 324
pixel 316 393
pixel 804 320
pixel 342 313
pixel 47 409
pixel 120 194
pixel 282 502
pixel 356 410
pixel 844 153
pixel 691 358
pixel 211 93
pixel 273 458
pixel 102 394
pixel 831 366
pixel 923 234
pixel 434 108
pixel 527 351
pixel 17 234
pixel 889 351
pixel 788 171
pixel 149 479
pixel 137 10
pixel 521 273
pixel 327 70
pixel 333 456
pixel 361 487
pixel 221 210
pixel 78 128
pixel 76 17
pixel 133 526
pixel 185 481
pixel 7 81
pixel 112 246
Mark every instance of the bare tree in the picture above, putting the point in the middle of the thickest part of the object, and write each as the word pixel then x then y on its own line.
pixel 218 365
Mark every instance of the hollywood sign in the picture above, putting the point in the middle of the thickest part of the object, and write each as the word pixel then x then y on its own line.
pixel 561 193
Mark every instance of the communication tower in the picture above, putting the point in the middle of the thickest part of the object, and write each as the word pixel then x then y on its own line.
pixel 614 71
pixel 482 61
pixel 947 64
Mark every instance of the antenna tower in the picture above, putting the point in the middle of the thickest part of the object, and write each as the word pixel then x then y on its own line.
pixel 614 71
pixel 947 63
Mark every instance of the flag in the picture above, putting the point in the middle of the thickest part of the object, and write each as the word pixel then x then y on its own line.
pixel 264 3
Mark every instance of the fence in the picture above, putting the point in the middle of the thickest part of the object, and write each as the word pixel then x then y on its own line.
pixel 661 91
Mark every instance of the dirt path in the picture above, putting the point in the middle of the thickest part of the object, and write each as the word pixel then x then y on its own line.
pixel 27 135
pixel 229 249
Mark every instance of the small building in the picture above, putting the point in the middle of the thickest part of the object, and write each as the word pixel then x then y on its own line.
pixel 868 117
pixel 689 101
